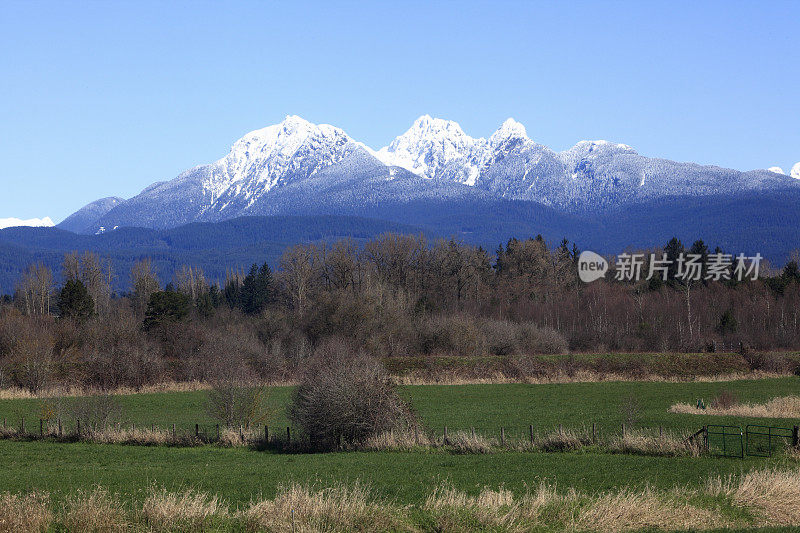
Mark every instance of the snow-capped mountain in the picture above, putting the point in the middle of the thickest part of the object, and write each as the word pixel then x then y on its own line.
pixel 796 171
pixel 297 167
pixel 33 222
pixel 89 214
pixel 776 170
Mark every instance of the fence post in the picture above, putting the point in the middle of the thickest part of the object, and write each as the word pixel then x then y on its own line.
pixel 416 434
pixel 623 429
pixel 197 430
pixel 266 433
pixel 173 430
pixel 22 426
pixel 60 429
pixel 660 432
pixel 41 428
pixel 472 432
pixel 530 431
pixel 796 436
pixel 288 434
pixel 502 436
pixel 594 432
pixel 445 435
pixel 78 430
pixel 217 431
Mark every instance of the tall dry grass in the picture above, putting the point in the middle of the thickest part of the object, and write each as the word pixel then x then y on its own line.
pixel 769 497
pixel 96 511
pixel 773 495
pixel 780 407
pixel 340 508
pixel 667 444
pixel 26 513
pixel 181 511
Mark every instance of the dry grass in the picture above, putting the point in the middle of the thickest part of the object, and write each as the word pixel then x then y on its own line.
pixel 94 512
pixel 184 511
pixel 636 442
pixel 781 407
pixel 773 495
pixel 297 508
pixel 628 510
pixel 397 440
pixel 29 513
pixel 579 376
pixel 758 498
pixel 561 441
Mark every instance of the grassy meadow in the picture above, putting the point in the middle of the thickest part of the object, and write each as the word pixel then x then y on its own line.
pixel 407 479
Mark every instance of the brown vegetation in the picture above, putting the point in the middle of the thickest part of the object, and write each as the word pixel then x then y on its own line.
pixel 782 407
pixel 395 297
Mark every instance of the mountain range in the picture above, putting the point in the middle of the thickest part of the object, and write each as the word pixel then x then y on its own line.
pixel 299 182
pixel 298 168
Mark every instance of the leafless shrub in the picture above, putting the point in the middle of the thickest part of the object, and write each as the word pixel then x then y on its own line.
pixel 457 335
pixel 237 405
pixel 724 400
pixel 534 339
pixel 96 412
pixel 345 398
pixel 502 337
pixel 631 410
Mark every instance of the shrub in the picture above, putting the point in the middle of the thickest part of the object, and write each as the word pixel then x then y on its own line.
pixel 233 404
pixel 457 335
pixel 347 399
pixel 502 337
pixel 96 412
pixel 725 400
pixel 542 340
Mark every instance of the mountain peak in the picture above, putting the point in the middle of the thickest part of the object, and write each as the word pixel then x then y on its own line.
pixel 601 145
pixel 796 171
pixel 510 129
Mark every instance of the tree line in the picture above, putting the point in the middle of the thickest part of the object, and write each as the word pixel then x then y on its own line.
pixel 395 295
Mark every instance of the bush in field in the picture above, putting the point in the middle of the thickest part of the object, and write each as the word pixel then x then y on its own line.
pixel 457 335
pixel 345 398
pixel 543 340
pixel 724 400
pixel 96 412
pixel 502 337
pixel 236 405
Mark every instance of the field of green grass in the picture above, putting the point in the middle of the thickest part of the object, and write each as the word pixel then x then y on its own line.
pixel 484 407
pixel 240 475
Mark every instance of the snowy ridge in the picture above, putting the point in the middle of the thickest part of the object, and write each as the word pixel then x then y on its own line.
pixel 33 222
pixel 296 165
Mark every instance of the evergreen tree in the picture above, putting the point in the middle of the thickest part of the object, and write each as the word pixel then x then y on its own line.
pixel 74 300
pixel 166 306
pixel 256 292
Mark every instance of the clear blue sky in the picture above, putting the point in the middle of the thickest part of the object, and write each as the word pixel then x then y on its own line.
pixel 104 98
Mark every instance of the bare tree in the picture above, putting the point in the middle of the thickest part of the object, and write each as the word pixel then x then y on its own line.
pixel 144 283
pixel 35 288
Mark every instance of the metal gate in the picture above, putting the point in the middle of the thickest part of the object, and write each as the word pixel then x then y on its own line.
pixel 762 441
pixel 725 440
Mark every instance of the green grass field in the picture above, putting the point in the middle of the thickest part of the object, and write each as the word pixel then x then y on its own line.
pixel 239 474
pixel 484 407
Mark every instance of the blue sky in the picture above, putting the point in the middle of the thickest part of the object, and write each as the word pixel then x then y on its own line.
pixel 104 98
